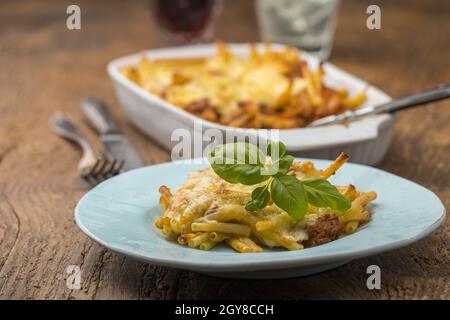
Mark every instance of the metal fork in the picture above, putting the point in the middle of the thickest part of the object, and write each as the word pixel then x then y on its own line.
pixel 93 167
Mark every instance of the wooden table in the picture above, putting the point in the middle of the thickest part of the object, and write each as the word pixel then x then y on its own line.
pixel 46 67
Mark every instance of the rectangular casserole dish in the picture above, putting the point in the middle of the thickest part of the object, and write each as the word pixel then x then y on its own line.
pixel 365 140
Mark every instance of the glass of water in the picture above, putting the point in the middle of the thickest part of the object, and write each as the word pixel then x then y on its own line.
pixel 306 24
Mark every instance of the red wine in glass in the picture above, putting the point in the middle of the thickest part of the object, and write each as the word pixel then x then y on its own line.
pixel 185 21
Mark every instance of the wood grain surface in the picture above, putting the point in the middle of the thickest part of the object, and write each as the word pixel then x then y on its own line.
pixel 45 68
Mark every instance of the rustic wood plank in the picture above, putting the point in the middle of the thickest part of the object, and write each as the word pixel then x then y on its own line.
pixel 46 68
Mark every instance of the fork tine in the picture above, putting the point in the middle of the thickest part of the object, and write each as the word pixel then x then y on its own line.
pixel 100 172
pixel 91 170
pixel 119 167
pixel 110 171
pixel 93 177
pixel 89 176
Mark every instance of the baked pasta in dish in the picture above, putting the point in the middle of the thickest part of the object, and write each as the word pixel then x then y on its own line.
pixel 267 89
pixel 207 210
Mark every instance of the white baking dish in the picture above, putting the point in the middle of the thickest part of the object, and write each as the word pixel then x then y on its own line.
pixel 365 140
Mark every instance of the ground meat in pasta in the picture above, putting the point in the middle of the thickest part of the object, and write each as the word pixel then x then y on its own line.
pixel 327 228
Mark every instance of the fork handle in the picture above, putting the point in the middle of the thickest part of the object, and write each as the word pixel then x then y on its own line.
pixel 99 115
pixel 66 128
pixel 414 100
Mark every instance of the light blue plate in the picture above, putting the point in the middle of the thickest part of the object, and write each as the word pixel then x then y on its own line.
pixel 119 214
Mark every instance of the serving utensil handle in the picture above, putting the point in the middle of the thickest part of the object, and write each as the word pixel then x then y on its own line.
pixel 414 100
pixel 409 101
pixel 99 115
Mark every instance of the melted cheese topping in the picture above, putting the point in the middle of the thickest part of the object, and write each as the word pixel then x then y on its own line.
pixel 223 79
pixel 205 192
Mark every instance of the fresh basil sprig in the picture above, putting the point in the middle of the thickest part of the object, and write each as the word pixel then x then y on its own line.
pixel 238 163
pixel 244 163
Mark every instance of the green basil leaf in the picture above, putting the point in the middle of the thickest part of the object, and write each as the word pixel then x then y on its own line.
pixel 260 199
pixel 238 153
pixel 240 173
pixel 238 163
pixel 322 193
pixel 285 164
pixel 288 194
pixel 279 167
pixel 276 150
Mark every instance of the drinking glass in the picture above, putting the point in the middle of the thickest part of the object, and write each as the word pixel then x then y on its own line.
pixel 306 24
pixel 185 21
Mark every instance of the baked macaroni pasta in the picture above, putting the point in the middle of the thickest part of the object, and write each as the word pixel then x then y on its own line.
pixel 266 89
pixel 206 211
